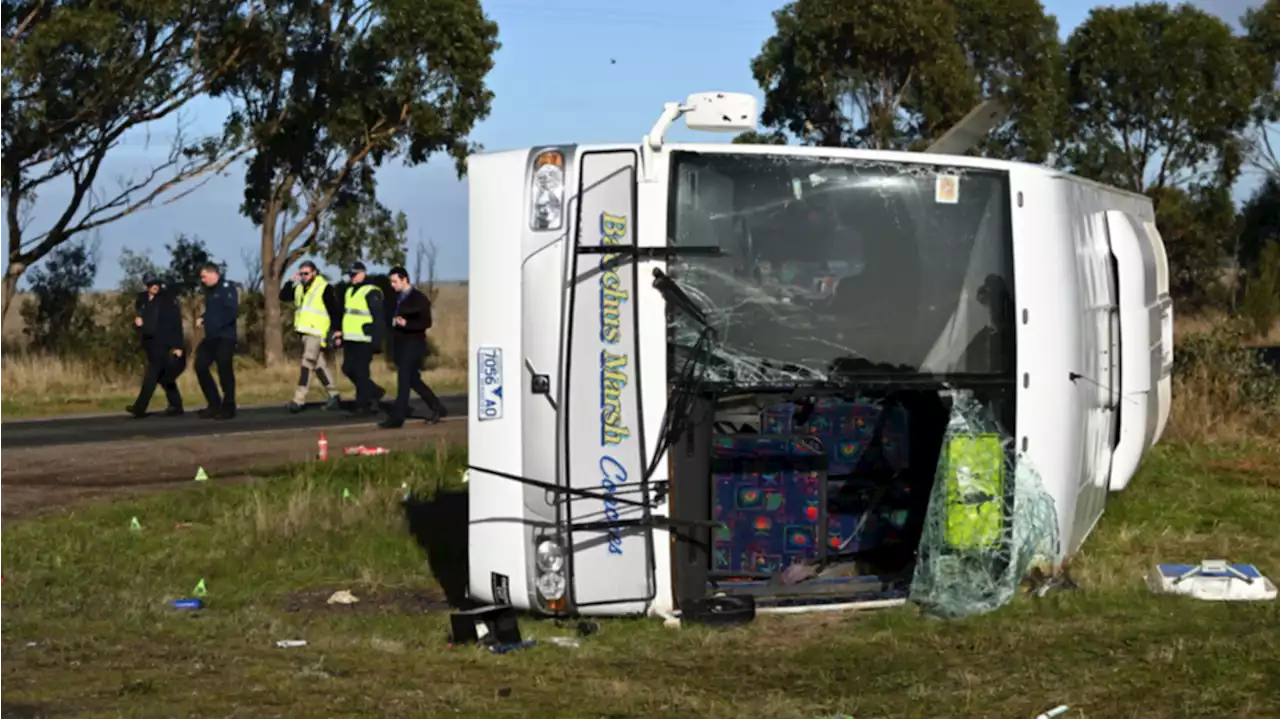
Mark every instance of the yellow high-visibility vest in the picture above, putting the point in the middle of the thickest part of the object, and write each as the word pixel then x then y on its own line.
pixel 311 316
pixel 357 314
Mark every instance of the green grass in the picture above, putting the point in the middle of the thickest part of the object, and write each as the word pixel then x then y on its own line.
pixel 86 628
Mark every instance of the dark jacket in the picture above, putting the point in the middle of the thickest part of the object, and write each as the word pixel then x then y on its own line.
pixel 329 297
pixel 221 310
pixel 415 308
pixel 161 320
pixel 376 328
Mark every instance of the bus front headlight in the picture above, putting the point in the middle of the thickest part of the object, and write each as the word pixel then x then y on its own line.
pixel 547 191
pixel 550 556
pixel 549 566
pixel 551 586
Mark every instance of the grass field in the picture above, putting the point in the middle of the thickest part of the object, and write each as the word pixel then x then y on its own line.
pixel 87 628
pixel 37 386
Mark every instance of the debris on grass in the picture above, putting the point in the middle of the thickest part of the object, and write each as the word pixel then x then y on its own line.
pixel 513 647
pixel 1039 583
pixel 290 643
pixel 362 451
pixel 484 625
pixel 1213 580
pixel 342 596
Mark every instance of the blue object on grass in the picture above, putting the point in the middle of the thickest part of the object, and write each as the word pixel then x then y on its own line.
pixel 505 648
pixel 1173 571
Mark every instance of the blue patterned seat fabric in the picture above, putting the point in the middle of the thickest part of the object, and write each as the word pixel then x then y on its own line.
pixel 768 488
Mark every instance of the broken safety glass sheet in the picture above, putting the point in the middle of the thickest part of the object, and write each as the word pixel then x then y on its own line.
pixel 989 522
pixel 833 267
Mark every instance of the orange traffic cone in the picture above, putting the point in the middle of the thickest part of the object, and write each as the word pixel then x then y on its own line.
pixel 323 445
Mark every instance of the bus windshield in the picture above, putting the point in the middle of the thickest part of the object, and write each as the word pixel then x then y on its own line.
pixel 833 266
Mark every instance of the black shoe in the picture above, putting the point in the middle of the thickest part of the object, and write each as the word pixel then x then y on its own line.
pixel 227 412
pixel 173 411
pixel 133 412
pixel 209 412
pixel 391 424
pixel 361 412
pixel 437 415
pixel 333 403
pixel 294 407
pixel 378 393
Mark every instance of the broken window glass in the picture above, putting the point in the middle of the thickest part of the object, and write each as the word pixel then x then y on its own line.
pixel 837 267
pixel 989 522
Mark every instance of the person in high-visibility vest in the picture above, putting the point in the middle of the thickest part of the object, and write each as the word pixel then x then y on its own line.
pixel 316 314
pixel 361 338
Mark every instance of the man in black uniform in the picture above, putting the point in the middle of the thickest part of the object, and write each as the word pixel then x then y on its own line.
pixel 221 310
pixel 410 320
pixel 361 336
pixel 159 321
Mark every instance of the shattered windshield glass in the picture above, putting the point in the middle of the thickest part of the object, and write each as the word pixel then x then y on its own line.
pixel 838 267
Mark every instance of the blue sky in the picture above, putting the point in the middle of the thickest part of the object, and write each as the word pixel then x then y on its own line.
pixel 554 82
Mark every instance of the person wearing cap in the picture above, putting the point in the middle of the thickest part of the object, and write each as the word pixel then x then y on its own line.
pixel 361 337
pixel 159 321
pixel 218 348
pixel 316 315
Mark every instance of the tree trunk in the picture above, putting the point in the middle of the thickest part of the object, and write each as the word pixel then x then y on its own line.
pixel 12 274
pixel 272 334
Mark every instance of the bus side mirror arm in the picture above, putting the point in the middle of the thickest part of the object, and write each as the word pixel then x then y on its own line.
pixel 652 142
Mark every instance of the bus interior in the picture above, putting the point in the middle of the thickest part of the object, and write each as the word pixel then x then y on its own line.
pixel 826 316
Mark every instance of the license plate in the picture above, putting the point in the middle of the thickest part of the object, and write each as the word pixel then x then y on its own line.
pixel 489 383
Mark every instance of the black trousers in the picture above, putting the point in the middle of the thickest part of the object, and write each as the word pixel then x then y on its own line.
pixel 163 369
pixel 220 351
pixel 357 361
pixel 409 356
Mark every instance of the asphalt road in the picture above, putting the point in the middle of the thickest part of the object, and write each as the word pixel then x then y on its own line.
pixel 106 428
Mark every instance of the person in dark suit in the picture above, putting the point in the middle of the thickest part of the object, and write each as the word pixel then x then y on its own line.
pixel 410 313
pixel 159 323
pixel 221 311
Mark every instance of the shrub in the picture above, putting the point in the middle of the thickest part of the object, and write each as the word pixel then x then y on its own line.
pixel 1260 304
pixel 1222 389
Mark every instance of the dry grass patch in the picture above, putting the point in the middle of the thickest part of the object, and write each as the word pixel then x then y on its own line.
pixel 44 385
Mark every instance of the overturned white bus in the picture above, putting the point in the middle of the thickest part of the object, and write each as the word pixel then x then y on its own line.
pixel 695 365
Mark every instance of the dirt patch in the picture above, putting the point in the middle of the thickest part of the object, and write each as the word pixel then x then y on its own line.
pixel 22 711
pixel 39 478
pixel 371 601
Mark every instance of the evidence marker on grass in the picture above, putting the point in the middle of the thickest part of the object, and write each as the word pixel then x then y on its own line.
pixel 201 475
pixel 135 525
pixel 193 603
pixel 346 493
pixel 322 447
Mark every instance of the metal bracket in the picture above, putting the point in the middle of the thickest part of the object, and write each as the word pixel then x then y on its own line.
pixel 1215 566
pixel 540 383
